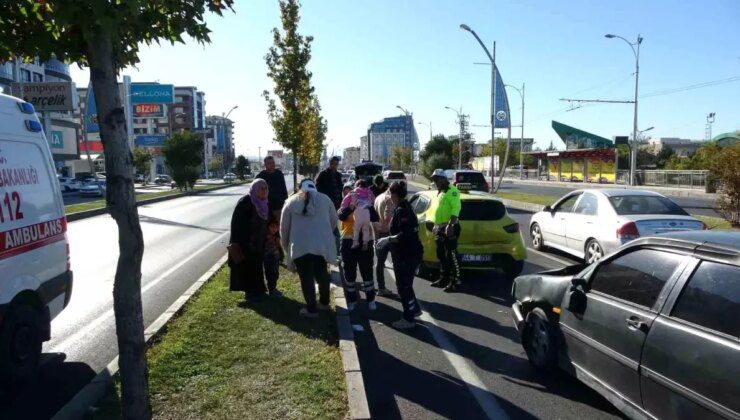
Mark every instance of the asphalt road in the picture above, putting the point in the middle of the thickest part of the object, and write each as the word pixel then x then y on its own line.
pixel 465 360
pixel 693 205
pixel 183 237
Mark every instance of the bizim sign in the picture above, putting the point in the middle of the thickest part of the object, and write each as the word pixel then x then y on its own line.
pixel 152 93
pixel 48 96
pixel 150 141
pixel 149 110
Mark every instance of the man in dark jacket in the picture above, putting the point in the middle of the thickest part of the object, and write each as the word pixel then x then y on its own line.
pixel 329 182
pixel 277 191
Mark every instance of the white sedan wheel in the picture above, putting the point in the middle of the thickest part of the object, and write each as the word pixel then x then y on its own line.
pixel 594 252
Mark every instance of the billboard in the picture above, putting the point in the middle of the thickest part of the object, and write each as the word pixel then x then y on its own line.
pixel 47 96
pixel 152 93
pixel 149 110
pixel 150 140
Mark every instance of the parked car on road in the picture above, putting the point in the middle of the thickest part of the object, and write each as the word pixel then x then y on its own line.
pixel 475 178
pixel 162 179
pixel 139 178
pixel 229 178
pixel 489 237
pixel 35 275
pixel 653 327
pixel 592 223
pixel 69 184
pixel 391 176
pixel 93 188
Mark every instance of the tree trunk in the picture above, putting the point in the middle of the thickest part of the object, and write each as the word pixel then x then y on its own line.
pixel 121 202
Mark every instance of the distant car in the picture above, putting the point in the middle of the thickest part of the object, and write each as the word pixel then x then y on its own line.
pixel 592 223
pixel 366 170
pixel 69 184
pixel 91 189
pixel 229 178
pixel 653 327
pixel 465 176
pixel 489 237
pixel 162 179
pixel 394 176
pixel 139 178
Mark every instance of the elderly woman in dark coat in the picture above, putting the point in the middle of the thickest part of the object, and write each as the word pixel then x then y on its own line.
pixel 246 249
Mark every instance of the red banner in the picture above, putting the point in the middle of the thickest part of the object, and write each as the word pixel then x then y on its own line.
pixel 148 110
pixel 24 239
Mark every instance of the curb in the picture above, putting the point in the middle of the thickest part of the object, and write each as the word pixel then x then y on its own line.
pixel 98 388
pixel 356 395
pixel 71 217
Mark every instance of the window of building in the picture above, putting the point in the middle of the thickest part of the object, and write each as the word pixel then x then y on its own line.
pixel 37 77
pixel 712 298
pixel 25 75
pixel 637 277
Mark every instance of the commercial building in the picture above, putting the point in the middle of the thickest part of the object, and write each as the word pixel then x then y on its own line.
pixel 682 147
pixel 383 136
pixel 279 157
pixel 64 129
pixel 351 157
pixel 223 129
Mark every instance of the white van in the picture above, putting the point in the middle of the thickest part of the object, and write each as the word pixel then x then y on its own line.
pixel 35 276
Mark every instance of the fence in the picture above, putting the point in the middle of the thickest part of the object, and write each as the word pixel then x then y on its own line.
pixel 659 178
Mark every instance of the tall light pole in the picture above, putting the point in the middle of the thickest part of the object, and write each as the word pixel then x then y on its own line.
pixel 710 121
pixel 521 141
pixel 429 124
pixel 636 52
pixel 491 57
pixel 460 137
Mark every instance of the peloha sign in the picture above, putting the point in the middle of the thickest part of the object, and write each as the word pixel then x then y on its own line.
pixel 47 96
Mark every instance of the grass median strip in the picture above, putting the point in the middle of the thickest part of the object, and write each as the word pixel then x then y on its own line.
pixel 98 204
pixel 222 358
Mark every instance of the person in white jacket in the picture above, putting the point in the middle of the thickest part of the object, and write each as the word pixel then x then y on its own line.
pixel 307 224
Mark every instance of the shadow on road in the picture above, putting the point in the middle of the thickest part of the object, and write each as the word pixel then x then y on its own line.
pixel 156 220
pixel 56 382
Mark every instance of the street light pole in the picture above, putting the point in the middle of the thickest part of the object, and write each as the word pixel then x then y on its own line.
pixel 460 138
pixel 633 151
pixel 430 128
pixel 491 57
pixel 521 141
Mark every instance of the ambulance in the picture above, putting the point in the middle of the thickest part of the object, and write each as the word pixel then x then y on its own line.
pixel 35 275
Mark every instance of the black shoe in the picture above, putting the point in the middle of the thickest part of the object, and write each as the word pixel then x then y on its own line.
pixel 451 288
pixel 438 283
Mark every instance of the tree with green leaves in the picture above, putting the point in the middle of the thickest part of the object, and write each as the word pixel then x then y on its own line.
pixel 294 111
pixel 183 156
pixel 105 36
pixel 438 144
pixel 143 161
pixel 435 161
pixel 726 169
pixel 216 164
pixel 401 158
pixel 242 166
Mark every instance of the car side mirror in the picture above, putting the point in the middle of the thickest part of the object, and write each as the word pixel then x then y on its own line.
pixel 429 226
pixel 577 298
pixel 547 208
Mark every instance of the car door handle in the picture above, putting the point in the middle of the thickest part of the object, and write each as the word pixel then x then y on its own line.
pixel 634 322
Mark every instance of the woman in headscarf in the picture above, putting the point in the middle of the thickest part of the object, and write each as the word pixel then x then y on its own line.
pixel 306 232
pixel 246 249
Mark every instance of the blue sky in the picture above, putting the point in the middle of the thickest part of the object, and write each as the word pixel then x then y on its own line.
pixel 369 56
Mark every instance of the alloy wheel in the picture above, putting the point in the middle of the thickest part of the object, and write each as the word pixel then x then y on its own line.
pixel 536 236
pixel 594 252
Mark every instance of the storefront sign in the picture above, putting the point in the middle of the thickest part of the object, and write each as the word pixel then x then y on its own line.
pixel 149 110
pixel 56 140
pixel 150 141
pixel 47 96
pixel 152 93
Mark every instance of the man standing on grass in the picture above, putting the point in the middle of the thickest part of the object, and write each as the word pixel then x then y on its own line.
pixel 277 191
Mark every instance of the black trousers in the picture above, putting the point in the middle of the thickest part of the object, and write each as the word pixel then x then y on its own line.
pixel 352 259
pixel 381 255
pixel 449 268
pixel 272 270
pixel 312 268
pixel 404 268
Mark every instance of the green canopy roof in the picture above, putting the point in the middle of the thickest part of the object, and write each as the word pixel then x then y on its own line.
pixel 579 139
pixel 726 139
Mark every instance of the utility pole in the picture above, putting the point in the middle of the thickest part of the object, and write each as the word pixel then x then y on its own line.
pixel 521 141
pixel 710 121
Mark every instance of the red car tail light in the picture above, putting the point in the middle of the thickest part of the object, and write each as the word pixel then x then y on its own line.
pixel 628 231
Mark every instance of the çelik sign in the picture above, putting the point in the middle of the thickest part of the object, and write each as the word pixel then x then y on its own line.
pixel 149 110
pixel 152 93
pixel 47 96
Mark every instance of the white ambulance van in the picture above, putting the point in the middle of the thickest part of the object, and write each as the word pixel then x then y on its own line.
pixel 35 275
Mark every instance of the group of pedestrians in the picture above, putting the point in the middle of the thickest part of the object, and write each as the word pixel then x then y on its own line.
pixel 327 221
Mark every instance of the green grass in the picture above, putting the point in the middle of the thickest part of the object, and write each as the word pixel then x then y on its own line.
pixel 527 198
pixel 223 359
pixel 717 223
pixel 97 204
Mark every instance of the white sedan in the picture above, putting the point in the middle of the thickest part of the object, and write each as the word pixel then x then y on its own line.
pixel 91 188
pixel 592 223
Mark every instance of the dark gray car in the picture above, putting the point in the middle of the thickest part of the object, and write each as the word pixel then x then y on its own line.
pixel 653 327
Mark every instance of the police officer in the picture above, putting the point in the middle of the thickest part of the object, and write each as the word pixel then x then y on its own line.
pixel 446 231
pixel 406 250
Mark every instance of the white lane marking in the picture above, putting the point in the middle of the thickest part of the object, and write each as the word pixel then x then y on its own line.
pixel 487 401
pixel 552 257
pixel 87 329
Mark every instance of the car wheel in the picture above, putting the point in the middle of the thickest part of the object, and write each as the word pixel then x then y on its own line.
pixel 20 344
pixel 539 341
pixel 594 251
pixel 513 268
pixel 537 239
